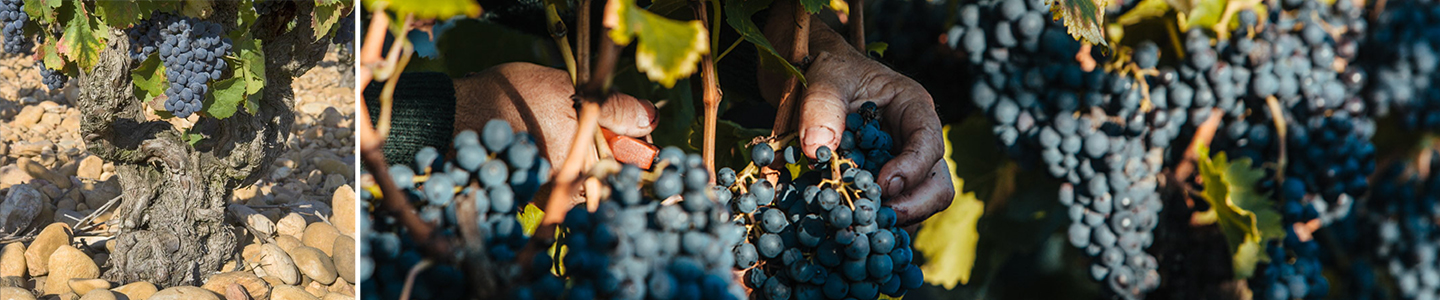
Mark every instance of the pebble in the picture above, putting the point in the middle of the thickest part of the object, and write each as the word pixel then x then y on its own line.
pixel 320 235
pixel 90 167
pixel 286 292
pixel 254 286
pixel 292 225
pixel 236 292
pixel 68 263
pixel 252 218
pixel 83 286
pixel 275 262
pixel 14 293
pixel 337 296
pixel 11 175
pixel 137 290
pixel 12 260
pixel 184 292
pixel 344 258
pixel 345 209
pixel 37 256
pixel 37 170
pixel 314 264
pixel 288 242
pixel 99 295
pixel 19 208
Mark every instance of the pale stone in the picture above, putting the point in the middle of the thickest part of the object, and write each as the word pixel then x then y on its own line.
pixel 137 290
pixel 252 218
pixel 343 201
pixel 83 286
pixel 20 208
pixel 184 292
pixel 37 256
pixel 314 264
pixel 68 263
pixel 12 175
pixel 288 242
pixel 254 286
pixel 15 293
pixel 337 296
pixel 275 262
pixel 292 225
pixel 12 260
pixel 28 116
pixel 90 167
pixel 39 171
pixel 344 258
pixel 286 292
pixel 99 295
pixel 320 235
pixel 236 292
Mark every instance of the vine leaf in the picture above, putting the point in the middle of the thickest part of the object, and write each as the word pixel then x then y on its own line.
pixel 149 79
pixel 668 49
pixel 877 47
pixel 1246 216
pixel 249 66
pixel 949 239
pixel 327 14
pixel 82 41
pixel 225 97
pixel 814 6
pixel 43 9
pixel 430 9
pixel 737 14
pixel 1205 14
pixel 530 218
pixel 122 14
pixel 197 8
pixel 1083 18
pixel 51 56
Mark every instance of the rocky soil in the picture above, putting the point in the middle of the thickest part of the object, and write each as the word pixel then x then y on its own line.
pixel 296 246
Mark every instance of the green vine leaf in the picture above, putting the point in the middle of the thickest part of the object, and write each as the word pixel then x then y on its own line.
pixel 668 49
pixel 149 79
pixel 1205 14
pixel 737 14
pixel 1083 19
pixel 45 10
pixel 197 8
pixel 122 14
pixel 82 40
pixel 225 98
pixel 248 64
pixel 878 48
pixel 814 6
pixel 327 14
pixel 1246 216
pixel 430 9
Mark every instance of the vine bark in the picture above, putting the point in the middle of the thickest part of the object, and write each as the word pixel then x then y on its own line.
pixel 172 228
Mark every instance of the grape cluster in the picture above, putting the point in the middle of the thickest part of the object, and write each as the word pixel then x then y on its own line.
pixel 863 142
pixel 265 7
pixel 13 18
pixel 825 234
pixel 1407 238
pixel 669 238
pixel 1086 128
pixel 345 31
pixel 495 173
pixel 53 79
pixel 1402 52
pixel 192 51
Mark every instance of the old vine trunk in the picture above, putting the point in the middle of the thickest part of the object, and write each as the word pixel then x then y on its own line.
pixel 171 227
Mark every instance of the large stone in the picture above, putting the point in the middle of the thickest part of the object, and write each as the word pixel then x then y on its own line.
pixel 252 218
pixel 65 264
pixel 37 256
pixel 275 262
pixel 337 296
pixel 12 175
pixel 12 260
pixel 343 203
pixel 19 208
pixel 28 116
pixel 15 293
pixel 344 258
pixel 90 167
pixel 83 286
pixel 288 242
pixel 39 171
pixel 292 225
pixel 254 286
pixel 99 295
pixel 184 292
pixel 314 264
pixel 137 290
pixel 236 292
pixel 320 235
pixel 286 292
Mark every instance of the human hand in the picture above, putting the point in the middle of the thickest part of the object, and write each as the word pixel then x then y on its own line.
pixel 916 183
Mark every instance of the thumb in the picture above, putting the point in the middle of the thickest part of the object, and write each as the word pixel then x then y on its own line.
pixel 822 112
pixel 628 116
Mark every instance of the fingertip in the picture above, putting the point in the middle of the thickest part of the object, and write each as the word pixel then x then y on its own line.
pixel 815 136
pixel 629 116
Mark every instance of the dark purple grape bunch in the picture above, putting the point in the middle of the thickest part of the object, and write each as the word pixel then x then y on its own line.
pixel 863 142
pixel 497 172
pixel 659 234
pixel 13 18
pixel 822 235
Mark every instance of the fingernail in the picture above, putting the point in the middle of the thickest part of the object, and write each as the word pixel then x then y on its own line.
pixel 818 135
pixel 896 184
pixel 646 119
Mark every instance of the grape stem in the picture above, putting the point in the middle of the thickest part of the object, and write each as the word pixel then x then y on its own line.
pixel 410 278
pixel 1276 114
pixel 711 88
pixel 558 33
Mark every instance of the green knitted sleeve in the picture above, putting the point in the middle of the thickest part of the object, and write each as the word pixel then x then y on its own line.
pixel 423 114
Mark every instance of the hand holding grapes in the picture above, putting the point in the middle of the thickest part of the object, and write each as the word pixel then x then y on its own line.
pixel 916 183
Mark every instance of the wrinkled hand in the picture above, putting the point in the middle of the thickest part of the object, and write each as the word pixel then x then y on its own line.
pixel 536 98
pixel 916 183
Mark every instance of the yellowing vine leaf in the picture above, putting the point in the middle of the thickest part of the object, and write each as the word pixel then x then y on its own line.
pixel 669 49
pixel 430 9
pixel 530 218
pixel 1246 216
pixel 1083 18
pixel 948 239
pixel 82 41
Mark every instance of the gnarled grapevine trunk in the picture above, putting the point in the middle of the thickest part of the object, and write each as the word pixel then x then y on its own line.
pixel 172 227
